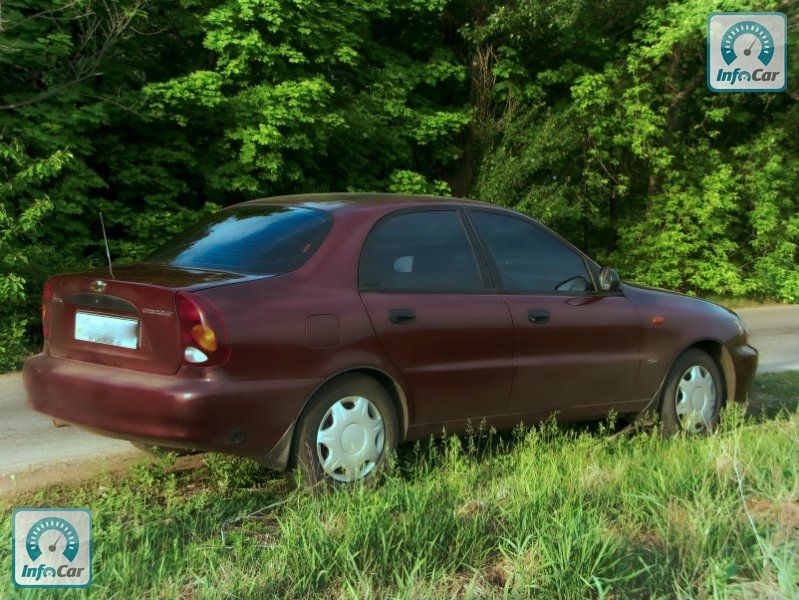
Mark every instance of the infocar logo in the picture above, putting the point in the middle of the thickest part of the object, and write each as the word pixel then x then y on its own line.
pixel 52 547
pixel 747 52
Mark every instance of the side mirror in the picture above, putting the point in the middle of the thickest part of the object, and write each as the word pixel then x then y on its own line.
pixel 609 280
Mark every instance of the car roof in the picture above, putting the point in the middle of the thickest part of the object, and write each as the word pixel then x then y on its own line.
pixel 381 203
pixel 344 201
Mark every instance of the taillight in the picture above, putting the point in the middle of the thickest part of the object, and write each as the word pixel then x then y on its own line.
pixel 47 293
pixel 203 336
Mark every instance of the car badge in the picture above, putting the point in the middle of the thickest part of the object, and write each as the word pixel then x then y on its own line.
pixel 99 286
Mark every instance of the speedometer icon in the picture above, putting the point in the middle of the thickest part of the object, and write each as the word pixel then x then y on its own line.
pixel 63 539
pixel 757 38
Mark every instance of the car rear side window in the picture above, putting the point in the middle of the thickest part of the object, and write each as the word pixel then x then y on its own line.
pixel 255 239
pixel 422 251
pixel 528 258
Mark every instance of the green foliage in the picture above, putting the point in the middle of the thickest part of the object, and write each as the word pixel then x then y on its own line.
pixel 227 472
pixel 592 117
pixel 410 182
pixel 319 95
pixel 73 142
pixel 24 205
pixel 622 146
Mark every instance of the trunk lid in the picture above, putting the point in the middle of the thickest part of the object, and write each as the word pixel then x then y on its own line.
pixel 129 321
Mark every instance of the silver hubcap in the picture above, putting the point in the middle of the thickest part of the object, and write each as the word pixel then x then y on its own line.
pixel 350 439
pixel 696 399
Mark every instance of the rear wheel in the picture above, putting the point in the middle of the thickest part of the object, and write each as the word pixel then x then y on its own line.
pixel 346 432
pixel 692 396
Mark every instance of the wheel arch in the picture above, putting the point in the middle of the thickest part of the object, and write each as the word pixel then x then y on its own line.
pixel 719 353
pixel 280 457
pixel 391 385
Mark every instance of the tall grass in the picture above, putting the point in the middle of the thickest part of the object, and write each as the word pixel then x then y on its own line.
pixel 549 512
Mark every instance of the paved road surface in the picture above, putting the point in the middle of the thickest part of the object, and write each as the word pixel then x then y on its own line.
pixel 774 331
pixel 28 439
pixel 30 442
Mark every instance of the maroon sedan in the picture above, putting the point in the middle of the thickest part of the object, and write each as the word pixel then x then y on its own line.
pixel 323 330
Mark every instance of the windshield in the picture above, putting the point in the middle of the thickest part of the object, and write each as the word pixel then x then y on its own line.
pixel 254 239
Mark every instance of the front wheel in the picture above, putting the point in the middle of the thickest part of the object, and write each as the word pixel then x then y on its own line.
pixel 346 432
pixel 692 395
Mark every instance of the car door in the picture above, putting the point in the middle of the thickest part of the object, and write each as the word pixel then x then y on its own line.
pixel 576 350
pixel 436 315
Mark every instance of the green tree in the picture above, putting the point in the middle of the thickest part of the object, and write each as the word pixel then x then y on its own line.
pixel 317 95
pixel 593 117
pixel 72 143
pixel 619 144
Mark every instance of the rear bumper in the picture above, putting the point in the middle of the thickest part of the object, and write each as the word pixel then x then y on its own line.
pixel 194 409
pixel 744 362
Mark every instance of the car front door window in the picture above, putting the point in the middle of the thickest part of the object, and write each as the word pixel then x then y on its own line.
pixel 529 260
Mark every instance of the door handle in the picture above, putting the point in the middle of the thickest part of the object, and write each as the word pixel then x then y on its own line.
pixel 402 316
pixel 538 316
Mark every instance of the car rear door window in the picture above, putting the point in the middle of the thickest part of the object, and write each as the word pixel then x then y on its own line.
pixel 528 258
pixel 254 239
pixel 420 251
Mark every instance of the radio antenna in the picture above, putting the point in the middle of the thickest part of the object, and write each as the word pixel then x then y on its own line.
pixel 107 251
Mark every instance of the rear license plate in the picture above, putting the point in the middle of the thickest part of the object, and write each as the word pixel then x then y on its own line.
pixel 102 329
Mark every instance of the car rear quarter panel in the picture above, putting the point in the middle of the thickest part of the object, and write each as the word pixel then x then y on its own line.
pixel 285 327
pixel 683 322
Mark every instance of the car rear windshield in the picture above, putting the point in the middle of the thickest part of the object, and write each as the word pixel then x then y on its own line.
pixel 255 239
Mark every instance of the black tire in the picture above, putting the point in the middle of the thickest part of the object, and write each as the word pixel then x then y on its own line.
pixel 305 464
pixel 671 423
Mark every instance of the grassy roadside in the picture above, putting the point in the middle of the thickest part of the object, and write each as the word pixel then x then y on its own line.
pixel 550 512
